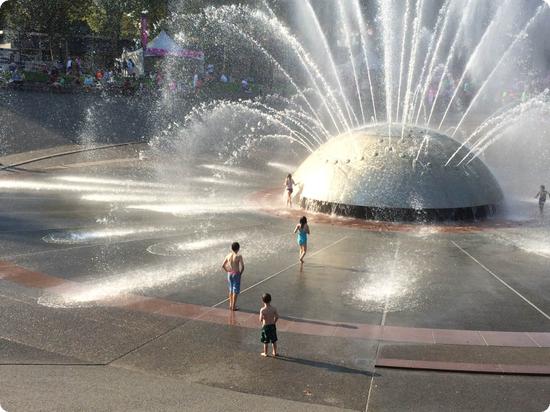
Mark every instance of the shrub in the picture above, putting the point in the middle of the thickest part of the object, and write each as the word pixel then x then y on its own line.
pixel 36 77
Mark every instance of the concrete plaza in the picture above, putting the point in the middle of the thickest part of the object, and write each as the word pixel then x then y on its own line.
pixel 112 297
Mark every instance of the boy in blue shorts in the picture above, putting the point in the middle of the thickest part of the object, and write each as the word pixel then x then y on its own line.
pixel 233 264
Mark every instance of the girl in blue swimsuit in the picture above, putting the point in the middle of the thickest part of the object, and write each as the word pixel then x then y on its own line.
pixel 302 231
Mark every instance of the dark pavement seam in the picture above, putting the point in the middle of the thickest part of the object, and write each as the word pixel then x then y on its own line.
pixel 52 156
pixel 378 343
pixel 282 270
pixel 49 364
pixel 501 281
pixel 143 344
pixel 212 307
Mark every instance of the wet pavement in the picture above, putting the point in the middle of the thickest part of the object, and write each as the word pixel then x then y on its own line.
pixel 112 295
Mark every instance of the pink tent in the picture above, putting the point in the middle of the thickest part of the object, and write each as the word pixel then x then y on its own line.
pixel 163 45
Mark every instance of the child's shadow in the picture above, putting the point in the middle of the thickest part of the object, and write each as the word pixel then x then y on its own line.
pixel 324 365
pixel 318 322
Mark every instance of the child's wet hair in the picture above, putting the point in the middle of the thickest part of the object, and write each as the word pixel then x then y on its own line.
pixel 235 247
pixel 266 298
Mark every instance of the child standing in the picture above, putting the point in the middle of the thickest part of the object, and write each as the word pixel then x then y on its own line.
pixel 268 319
pixel 233 264
pixel 542 198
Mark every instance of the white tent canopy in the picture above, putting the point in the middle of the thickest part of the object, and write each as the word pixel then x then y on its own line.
pixel 163 45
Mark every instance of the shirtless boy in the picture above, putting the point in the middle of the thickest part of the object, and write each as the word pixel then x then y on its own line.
pixel 541 195
pixel 234 266
pixel 268 319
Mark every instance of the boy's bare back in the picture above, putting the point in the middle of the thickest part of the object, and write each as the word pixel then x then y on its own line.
pixel 233 263
pixel 269 315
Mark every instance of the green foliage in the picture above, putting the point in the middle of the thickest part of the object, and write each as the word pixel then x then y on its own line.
pixel 117 19
pixel 5 9
pixel 223 88
pixel 36 77
pixel 62 18
pixel 196 6
pixel 121 18
pixel 57 18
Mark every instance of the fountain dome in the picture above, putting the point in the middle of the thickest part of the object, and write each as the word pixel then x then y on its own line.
pixel 375 173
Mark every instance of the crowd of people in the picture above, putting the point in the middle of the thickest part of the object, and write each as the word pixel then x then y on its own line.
pixel 14 74
pixel 512 91
pixel 123 75
pixel 69 74
pixel 524 89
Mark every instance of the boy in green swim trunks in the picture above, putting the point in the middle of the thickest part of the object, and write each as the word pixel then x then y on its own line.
pixel 268 319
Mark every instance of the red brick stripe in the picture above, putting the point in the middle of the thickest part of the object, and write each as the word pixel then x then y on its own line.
pixel 28 278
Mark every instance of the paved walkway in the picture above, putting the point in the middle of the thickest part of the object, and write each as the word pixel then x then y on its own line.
pixel 123 306
pixel 214 314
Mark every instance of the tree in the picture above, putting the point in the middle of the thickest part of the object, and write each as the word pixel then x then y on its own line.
pixel 5 10
pixel 56 18
pixel 121 18
pixel 61 19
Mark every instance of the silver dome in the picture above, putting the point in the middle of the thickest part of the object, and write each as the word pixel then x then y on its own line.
pixel 367 168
